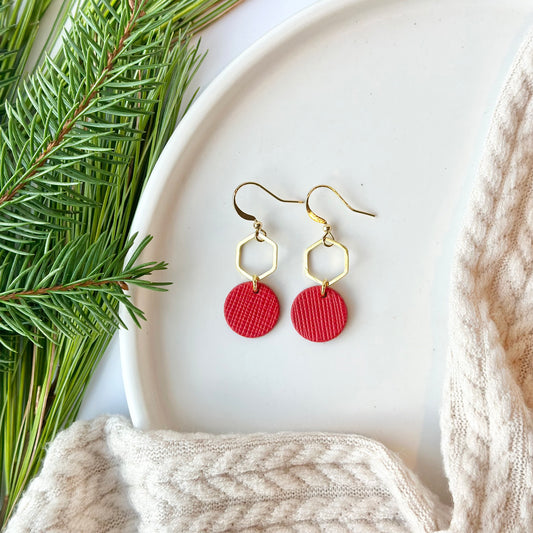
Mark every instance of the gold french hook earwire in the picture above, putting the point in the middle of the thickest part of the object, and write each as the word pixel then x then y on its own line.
pixel 328 240
pixel 258 226
pixel 328 236
pixel 260 235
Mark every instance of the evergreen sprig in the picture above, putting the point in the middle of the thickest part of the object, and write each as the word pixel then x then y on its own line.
pixel 68 119
pixel 78 140
pixel 73 287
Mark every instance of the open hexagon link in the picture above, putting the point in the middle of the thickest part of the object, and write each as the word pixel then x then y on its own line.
pixel 238 255
pixel 331 242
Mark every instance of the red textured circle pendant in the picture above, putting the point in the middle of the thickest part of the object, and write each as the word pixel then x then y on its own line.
pixel 319 318
pixel 251 314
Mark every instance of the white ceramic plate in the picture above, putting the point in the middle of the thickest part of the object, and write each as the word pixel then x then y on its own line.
pixel 389 102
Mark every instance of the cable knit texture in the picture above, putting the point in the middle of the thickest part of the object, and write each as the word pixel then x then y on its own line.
pixel 105 475
pixel 487 419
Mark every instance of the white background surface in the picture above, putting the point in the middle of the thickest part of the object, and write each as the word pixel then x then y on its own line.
pixel 424 151
pixel 224 40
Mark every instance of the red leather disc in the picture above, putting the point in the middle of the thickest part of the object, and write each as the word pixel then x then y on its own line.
pixel 249 313
pixel 319 318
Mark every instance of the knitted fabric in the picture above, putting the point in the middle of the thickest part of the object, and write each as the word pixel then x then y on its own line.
pixel 488 395
pixel 106 476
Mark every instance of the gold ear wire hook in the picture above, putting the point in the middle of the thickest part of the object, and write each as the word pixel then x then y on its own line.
pixel 321 220
pixel 247 216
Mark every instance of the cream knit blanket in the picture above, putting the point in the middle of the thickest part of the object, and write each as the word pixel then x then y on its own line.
pixel 106 476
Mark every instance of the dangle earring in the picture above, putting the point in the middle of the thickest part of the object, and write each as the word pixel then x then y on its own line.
pixel 251 309
pixel 319 313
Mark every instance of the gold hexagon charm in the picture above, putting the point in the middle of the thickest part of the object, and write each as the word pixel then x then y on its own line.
pixel 238 254
pixel 331 242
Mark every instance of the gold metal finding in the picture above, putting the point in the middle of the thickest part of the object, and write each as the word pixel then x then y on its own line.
pixel 259 235
pixel 325 285
pixel 327 235
pixel 321 220
pixel 238 255
pixel 330 242
pixel 327 240
pixel 259 231
pixel 248 216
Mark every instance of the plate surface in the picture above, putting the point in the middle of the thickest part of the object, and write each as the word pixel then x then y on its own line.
pixel 387 101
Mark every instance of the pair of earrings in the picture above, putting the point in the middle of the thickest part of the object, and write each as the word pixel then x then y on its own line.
pixel 318 313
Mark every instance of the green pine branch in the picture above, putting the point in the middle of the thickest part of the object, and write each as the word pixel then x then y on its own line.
pixel 55 137
pixel 78 142
pixel 73 287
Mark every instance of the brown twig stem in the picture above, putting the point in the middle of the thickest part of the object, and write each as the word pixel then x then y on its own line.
pixel 62 288
pixel 67 126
